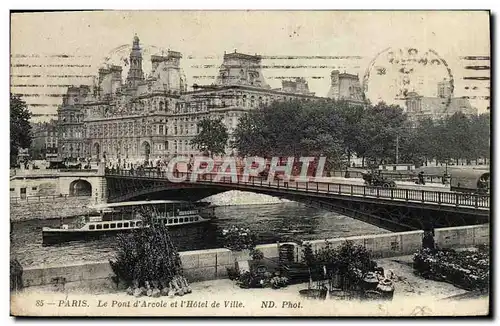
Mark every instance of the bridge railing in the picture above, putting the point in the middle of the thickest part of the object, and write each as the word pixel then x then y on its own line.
pixel 400 194
pixel 409 176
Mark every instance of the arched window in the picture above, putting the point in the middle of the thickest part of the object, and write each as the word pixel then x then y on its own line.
pixel 252 101
pixel 244 100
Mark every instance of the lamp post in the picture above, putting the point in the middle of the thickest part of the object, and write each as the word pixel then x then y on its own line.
pixel 397 148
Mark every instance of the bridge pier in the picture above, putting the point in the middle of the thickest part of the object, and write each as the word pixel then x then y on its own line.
pixel 101 192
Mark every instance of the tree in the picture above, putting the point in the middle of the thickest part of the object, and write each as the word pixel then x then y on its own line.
pixel 458 136
pixel 250 137
pixel 20 128
pixel 294 128
pixel 275 130
pixel 480 136
pixel 323 133
pixel 379 128
pixel 351 116
pixel 213 136
pixel 419 144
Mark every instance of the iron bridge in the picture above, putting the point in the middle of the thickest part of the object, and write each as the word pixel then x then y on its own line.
pixel 394 209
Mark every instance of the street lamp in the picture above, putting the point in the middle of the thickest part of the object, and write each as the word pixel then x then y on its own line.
pixel 397 148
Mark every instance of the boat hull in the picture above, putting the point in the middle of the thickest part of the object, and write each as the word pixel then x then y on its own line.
pixel 51 237
pixel 57 236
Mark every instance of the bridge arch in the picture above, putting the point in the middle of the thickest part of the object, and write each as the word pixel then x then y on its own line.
pixel 80 187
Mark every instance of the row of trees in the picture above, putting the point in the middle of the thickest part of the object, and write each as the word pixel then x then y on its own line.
pixel 451 138
pixel 335 129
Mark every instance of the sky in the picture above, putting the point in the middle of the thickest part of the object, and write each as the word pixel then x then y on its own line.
pixel 50 51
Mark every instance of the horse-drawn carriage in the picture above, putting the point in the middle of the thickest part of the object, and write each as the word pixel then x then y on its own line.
pixel 376 180
pixel 470 182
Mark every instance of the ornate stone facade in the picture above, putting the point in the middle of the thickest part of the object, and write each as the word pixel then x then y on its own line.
pixel 70 123
pixel 147 118
pixel 344 86
pixel 44 141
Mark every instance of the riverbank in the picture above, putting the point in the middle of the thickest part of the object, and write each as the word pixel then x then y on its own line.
pixel 209 264
pixel 413 296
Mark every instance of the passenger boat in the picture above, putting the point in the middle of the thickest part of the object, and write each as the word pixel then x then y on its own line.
pixel 117 218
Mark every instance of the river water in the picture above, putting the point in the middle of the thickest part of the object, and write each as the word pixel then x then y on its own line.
pixel 272 222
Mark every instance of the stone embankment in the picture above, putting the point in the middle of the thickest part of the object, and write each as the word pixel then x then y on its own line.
pixel 47 208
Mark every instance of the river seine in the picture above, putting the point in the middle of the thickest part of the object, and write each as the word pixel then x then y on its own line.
pixel 272 222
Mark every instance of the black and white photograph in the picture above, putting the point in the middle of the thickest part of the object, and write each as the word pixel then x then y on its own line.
pixel 250 163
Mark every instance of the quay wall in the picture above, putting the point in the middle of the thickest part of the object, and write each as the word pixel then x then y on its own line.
pixel 48 207
pixel 203 265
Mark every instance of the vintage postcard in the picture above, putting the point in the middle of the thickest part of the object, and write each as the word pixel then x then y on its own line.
pixel 250 163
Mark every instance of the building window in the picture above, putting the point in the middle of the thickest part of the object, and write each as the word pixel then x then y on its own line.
pixel 160 130
pixel 12 189
pixel 33 188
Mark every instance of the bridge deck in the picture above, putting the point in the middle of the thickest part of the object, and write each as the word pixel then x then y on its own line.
pixel 400 195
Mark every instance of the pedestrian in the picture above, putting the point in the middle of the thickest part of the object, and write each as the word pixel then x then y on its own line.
pixel 421 178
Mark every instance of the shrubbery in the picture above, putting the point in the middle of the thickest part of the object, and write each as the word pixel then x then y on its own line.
pixel 465 269
pixel 148 263
pixel 348 262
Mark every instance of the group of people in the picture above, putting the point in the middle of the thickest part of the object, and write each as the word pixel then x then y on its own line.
pixel 372 177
